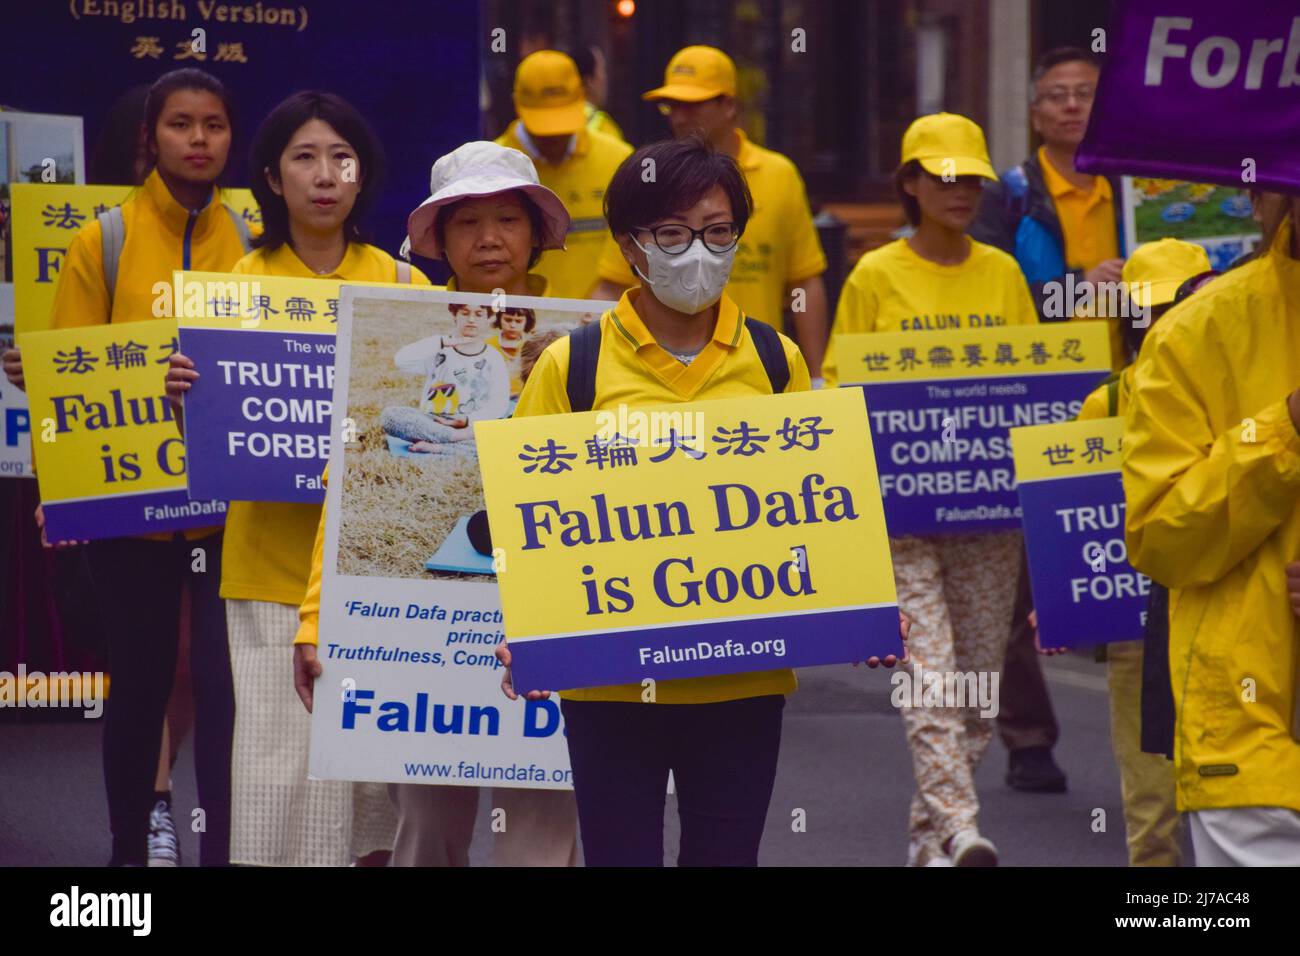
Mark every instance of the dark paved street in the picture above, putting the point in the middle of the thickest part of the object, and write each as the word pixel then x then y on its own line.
pixel 843 761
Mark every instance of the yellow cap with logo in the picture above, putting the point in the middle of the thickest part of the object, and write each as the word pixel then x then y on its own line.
pixel 695 74
pixel 947 144
pixel 549 97
pixel 1154 272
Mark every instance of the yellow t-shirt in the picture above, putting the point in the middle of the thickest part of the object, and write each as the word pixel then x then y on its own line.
pixel 780 245
pixel 1087 219
pixel 511 356
pixel 634 371
pixel 267 551
pixel 580 181
pixel 892 289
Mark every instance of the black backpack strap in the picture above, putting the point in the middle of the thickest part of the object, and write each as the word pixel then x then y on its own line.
pixel 584 353
pixel 768 343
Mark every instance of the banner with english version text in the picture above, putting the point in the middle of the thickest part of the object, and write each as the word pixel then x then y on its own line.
pixel 109 457
pixel 702 538
pixel 941 404
pixel 1068 478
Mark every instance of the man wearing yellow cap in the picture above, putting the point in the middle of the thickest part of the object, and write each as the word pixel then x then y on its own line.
pixel 1152 278
pixel 779 262
pixel 572 161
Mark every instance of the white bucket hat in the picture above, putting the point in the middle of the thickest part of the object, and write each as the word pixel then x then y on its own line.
pixel 482 169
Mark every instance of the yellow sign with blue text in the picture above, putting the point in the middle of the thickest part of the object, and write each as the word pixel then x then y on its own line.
pixel 1006 351
pixel 43 219
pixel 700 538
pixel 941 403
pixel 219 300
pixel 109 457
pixel 1072 498
pixel 1067 449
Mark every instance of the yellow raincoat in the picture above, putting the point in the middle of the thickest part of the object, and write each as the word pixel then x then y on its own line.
pixel 1211 468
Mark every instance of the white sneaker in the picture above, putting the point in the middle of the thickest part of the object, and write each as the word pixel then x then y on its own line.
pixel 968 848
pixel 926 853
pixel 164 848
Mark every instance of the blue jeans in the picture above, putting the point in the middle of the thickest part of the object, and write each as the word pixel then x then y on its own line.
pixel 723 758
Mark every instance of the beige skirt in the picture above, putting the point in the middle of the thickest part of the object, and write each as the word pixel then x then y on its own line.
pixel 278 816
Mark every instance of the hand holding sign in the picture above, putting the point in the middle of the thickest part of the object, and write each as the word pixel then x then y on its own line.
pixel 306 668
pixel 13 366
pixel 507 679
pixel 45 542
pixel 180 377
pixel 904 628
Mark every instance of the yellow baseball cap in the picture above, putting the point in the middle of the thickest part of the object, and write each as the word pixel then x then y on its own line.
pixel 549 97
pixel 947 144
pixel 1154 272
pixel 695 74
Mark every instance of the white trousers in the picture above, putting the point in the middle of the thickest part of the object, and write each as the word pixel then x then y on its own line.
pixel 1246 836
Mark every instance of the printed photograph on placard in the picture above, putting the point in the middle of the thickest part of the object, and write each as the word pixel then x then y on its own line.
pixel 419 378
pixel 36 148
pixel 1220 218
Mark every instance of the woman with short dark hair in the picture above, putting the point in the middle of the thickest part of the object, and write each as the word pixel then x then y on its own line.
pixel 677 210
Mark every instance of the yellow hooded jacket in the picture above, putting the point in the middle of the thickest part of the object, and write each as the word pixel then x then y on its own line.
pixel 161 236
pixel 1211 469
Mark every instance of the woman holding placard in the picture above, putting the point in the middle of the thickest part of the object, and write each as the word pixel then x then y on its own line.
pixel 959 589
pixel 490 219
pixel 176 220
pixel 676 338
pixel 317 168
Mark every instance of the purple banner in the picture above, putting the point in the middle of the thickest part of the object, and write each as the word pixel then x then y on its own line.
pixel 1199 90
pixel 705 648
pixel 257 422
pixel 121 515
pixel 1085 591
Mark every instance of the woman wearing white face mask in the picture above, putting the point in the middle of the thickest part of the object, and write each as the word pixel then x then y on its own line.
pixel 678 338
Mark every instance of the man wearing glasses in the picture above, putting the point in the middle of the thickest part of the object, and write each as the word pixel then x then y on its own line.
pixel 1055 220
pixel 1044 212
pixel 779 262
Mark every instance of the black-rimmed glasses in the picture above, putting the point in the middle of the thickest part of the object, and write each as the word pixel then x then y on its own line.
pixel 674 239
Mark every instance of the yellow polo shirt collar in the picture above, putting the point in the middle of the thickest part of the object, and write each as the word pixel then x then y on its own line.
pixel 683 379
pixel 747 157
pixel 581 143
pixel 1060 187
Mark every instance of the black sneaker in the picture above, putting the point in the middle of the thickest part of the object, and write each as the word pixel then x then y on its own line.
pixel 1033 770
pixel 164 848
